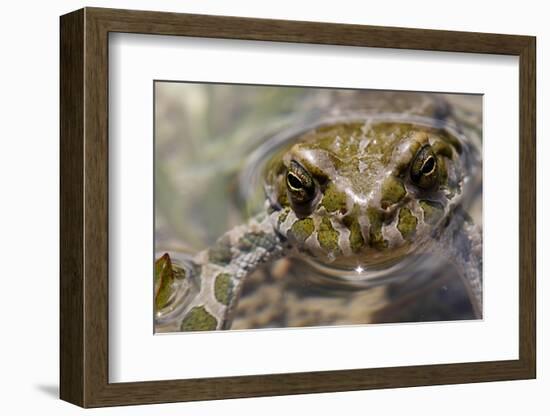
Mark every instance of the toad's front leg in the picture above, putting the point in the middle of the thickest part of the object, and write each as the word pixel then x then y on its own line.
pixel 219 272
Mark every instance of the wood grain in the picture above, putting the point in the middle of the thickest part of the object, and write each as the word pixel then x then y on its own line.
pixel 71 100
pixel 527 208
pixel 84 206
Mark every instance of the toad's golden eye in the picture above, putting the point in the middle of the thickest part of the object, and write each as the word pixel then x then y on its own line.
pixel 424 170
pixel 300 184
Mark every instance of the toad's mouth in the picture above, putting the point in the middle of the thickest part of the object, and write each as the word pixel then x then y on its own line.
pixel 367 258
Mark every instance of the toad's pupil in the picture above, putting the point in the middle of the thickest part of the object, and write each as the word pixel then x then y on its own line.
pixel 428 166
pixel 294 182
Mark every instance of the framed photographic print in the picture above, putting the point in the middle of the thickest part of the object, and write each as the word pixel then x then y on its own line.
pixel 257 207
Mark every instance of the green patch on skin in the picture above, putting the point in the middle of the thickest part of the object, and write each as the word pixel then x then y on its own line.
pixel 392 191
pixel 220 253
pixel 164 278
pixel 333 199
pixel 198 319
pixel 376 238
pixel 282 216
pixel 433 211
pixel 250 240
pixel 407 223
pixel 328 236
pixel 356 240
pixel 223 288
pixel 302 229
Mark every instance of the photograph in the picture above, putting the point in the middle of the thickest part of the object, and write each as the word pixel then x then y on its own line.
pixel 290 206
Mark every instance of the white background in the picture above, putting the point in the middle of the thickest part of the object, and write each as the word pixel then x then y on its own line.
pixel 137 59
pixel 29 213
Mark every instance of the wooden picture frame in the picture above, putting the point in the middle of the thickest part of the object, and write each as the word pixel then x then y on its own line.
pixel 84 207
